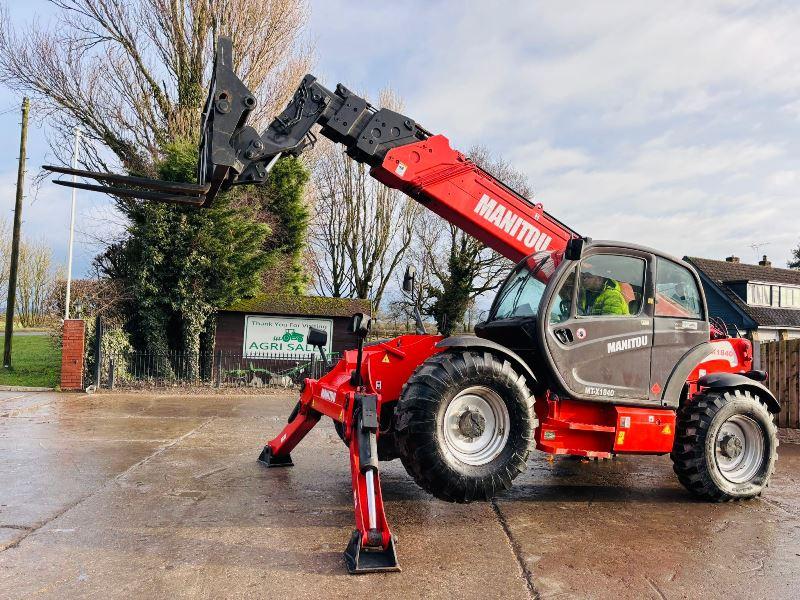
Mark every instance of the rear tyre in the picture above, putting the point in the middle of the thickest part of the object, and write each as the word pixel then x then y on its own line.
pixel 464 425
pixel 726 445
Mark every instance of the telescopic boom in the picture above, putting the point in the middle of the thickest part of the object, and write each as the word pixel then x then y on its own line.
pixel 400 153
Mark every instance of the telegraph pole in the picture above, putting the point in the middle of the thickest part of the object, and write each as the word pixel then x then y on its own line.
pixel 12 275
pixel 72 222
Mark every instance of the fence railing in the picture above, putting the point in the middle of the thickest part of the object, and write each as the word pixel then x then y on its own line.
pixel 211 369
pixel 781 360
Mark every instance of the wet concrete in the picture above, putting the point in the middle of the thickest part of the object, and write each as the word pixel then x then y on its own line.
pixel 156 496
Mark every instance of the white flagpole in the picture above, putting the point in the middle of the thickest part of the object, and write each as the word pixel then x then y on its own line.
pixel 72 222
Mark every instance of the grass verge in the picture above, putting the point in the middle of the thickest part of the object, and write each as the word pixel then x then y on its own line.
pixel 35 361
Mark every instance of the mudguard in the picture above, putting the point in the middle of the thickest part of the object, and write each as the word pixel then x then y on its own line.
pixel 473 342
pixel 728 381
pixel 671 396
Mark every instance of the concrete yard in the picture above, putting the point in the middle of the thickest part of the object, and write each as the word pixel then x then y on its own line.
pixel 154 496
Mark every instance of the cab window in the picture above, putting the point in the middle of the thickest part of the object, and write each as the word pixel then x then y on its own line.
pixel 610 285
pixel 520 296
pixel 677 294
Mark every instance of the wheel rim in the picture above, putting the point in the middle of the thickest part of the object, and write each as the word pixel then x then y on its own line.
pixel 476 425
pixel 740 449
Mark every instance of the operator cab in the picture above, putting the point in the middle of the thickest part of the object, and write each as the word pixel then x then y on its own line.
pixel 610 326
pixel 512 317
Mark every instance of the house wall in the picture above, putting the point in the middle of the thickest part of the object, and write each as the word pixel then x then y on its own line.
pixel 720 306
pixel 740 289
pixel 768 334
pixel 230 332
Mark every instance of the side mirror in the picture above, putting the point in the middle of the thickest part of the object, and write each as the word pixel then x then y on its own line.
pixel 317 337
pixel 574 249
pixel 408 278
pixel 355 322
pixel 360 325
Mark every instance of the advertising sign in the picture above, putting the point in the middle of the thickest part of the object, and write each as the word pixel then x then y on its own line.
pixel 266 335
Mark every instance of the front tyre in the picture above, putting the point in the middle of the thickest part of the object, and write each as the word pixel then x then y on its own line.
pixel 726 445
pixel 464 425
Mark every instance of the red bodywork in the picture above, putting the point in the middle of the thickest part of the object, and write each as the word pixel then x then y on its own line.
pixel 446 182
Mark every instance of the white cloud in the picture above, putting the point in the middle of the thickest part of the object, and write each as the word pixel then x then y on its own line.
pixel 539 157
pixel 672 124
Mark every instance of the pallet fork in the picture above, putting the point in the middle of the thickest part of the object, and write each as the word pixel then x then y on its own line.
pixel 372 546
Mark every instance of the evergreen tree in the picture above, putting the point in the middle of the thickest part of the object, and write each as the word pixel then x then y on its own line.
pixel 451 298
pixel 180 264
pixel 284 198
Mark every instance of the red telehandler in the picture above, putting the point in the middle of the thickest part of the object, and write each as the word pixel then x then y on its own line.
pixel 591 348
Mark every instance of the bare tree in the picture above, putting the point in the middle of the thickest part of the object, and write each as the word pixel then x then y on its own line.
pixel 133 73
pixel 103 297
pixel 401 307
pixel 362 229
pixel 330 229
pixel 36 282
pixel 501 169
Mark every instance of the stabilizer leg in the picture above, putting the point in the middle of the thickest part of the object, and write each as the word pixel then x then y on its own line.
pixel 269 460
pixel 276 453
pixel 369 560
pixel 371 546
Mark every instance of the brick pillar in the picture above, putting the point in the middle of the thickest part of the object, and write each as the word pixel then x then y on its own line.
pixel 72 344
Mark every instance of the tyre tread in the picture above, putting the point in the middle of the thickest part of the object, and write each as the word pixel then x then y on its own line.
pixel 417 409
pixel 688 453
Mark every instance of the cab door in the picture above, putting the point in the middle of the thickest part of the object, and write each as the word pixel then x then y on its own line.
pixel 679 321
pixel 597 327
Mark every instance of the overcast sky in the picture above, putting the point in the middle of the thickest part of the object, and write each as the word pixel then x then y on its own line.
pixel 673 125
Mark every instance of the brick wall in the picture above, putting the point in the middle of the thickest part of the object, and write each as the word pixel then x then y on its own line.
pixel 72 354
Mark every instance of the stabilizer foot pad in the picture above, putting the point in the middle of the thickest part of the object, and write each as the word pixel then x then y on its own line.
pixel 270 460
pixel 367 560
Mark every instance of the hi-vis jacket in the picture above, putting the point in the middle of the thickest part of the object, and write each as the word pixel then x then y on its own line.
pixel 609 301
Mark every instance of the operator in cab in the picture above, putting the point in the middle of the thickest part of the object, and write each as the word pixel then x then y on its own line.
pixel 601 295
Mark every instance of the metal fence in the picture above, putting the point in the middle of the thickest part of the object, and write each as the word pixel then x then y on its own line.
pixel 218 369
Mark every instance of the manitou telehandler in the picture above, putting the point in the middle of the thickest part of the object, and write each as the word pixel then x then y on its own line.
pixel 590 348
